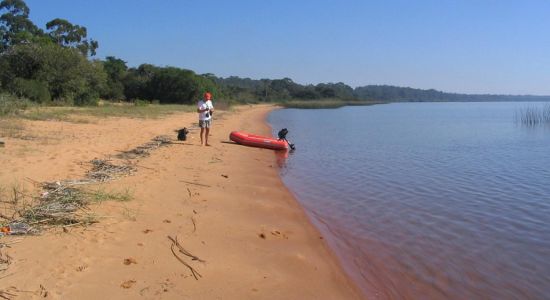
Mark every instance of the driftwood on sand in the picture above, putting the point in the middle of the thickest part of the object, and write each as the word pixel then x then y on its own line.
pixel 145 149
pixel 176 244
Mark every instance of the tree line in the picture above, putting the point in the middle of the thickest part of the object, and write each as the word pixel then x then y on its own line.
pixel 55 65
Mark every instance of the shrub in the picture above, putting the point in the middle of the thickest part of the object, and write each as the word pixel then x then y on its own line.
pixel 48 71
pixel 87 98
pixel 34 90
pixel 140 102
pixel 11 105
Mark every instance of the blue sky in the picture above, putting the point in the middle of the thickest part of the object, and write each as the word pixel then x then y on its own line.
pixel 467 46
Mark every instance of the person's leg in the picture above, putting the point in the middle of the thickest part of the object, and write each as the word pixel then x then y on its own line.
pixel 206 136
pixel 202 133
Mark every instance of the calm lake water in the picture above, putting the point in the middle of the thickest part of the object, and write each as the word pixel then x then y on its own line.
pixel 427 200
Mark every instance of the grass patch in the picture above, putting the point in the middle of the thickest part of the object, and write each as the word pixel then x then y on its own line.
pixel 11 128
pixel 150 111
pixel 101 195
pixel 12 106
pixel 130 214
pixel 59 204
pixel 71 114
pixel 320 104
pixel 50 113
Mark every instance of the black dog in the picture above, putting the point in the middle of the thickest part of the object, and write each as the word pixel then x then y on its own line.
pixel 282 136
pixel 182 134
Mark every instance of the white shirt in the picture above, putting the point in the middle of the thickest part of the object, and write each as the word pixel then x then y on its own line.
pixel 202 105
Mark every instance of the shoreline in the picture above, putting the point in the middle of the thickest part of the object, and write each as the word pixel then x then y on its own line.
pixel 255 237
pixel 317 223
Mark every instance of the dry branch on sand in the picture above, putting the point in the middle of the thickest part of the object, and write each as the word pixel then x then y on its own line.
pixel 144 150
pixel 14 293
pixel 8 295
pixel 63 202
pixel 103 170
pixel 5 259
pixel 58 205
pixel 176 244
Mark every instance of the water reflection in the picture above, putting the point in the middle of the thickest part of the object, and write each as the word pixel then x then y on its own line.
pixel 281 157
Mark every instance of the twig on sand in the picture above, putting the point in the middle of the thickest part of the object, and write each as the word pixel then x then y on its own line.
pixel 189 191
pixel 12 292
pixel 7 295
pixel 194 225
pixel 140 166
pixel 2 277
pixel 5 261
pixel 32 181
pixel 199 184
pixel 182 250
pixel 193 271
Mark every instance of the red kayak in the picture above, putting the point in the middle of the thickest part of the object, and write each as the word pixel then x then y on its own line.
pixel 253 140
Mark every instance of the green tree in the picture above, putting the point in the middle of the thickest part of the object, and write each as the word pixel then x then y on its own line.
pixel 68 76
pixel 137 81
pixel 32 89
pixel 335 90
pixel 168 85
pixel 66 34
pixel 15 25
pixel 173 85
pixel 116 70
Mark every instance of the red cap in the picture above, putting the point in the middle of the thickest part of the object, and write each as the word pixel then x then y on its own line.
pixel 207 96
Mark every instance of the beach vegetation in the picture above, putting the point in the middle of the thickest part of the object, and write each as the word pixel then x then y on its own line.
pixel 129 213
pixel 324 103
pixel 11 128
pixel 11 105
pixel 533 115
pixel 144 110
pixel 101 195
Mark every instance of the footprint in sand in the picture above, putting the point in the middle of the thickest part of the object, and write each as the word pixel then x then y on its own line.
pixel 127 284
pixel 279 234
pixel 81 268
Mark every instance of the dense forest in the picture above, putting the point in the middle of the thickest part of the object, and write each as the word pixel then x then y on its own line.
pixel 55 65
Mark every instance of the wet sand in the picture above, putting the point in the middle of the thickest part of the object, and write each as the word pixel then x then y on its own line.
pixel 225 203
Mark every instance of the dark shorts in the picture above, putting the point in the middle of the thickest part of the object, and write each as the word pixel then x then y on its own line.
pixel 205 123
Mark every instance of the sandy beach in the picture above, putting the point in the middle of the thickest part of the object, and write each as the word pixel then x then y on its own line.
pixel 225 204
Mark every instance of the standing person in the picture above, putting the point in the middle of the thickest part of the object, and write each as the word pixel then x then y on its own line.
pixel 205 110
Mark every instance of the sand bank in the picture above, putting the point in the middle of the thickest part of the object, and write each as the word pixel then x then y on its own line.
pixel 226 204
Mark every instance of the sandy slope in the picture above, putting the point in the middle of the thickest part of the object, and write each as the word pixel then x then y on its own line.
pixel 255 239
